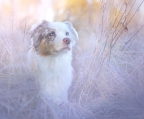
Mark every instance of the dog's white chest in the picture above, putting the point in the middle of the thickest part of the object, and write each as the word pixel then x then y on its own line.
pixel 55 76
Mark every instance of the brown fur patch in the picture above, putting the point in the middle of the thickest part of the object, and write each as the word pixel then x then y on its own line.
pixel 43 39
pixel 45 49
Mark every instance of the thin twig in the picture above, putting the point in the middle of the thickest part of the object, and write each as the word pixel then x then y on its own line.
pixel 133 36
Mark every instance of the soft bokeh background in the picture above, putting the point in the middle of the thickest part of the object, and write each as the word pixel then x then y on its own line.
pixel 108 59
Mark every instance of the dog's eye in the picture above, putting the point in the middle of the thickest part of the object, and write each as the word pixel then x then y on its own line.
pixel 67 33
pixel 52 34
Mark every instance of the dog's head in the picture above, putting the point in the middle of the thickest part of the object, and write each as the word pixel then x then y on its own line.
pixel 53 37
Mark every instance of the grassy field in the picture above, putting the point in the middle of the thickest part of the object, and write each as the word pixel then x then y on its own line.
pixel 109 70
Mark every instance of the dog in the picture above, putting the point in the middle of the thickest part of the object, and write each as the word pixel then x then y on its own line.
pixel 50 57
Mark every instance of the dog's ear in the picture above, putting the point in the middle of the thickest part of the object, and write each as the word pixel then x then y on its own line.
pixel 36 33
pixel 72 29
pixel 34 27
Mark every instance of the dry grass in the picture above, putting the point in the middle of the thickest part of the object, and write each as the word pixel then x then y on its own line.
pixel 109 72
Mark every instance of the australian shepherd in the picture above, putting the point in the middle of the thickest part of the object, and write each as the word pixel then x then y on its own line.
pixel 50 57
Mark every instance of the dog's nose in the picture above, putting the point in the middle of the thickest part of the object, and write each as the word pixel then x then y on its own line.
pixel 67 41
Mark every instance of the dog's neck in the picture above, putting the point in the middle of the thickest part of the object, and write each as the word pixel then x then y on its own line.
pixel 54 62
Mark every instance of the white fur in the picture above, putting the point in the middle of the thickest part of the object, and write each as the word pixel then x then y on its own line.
pixel 54 72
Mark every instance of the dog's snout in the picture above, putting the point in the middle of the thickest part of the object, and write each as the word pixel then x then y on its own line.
pixel 67 41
